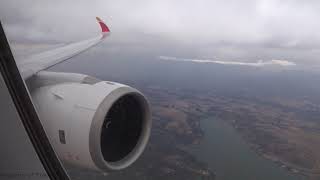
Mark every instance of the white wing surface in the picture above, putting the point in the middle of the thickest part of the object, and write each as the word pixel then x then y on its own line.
pixel 47 59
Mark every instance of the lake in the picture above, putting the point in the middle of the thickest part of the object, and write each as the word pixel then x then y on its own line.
pixel 231 158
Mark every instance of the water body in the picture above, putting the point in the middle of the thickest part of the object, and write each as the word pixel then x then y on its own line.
pixel 231 158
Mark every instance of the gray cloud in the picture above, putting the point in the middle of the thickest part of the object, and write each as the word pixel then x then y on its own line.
pixel 250 29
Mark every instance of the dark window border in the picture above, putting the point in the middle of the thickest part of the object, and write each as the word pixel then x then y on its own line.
pixel 27 113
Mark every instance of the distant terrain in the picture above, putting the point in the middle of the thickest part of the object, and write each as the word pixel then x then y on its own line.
pixel 286 131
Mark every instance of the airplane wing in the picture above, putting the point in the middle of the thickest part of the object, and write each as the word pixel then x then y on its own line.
pixel 47 59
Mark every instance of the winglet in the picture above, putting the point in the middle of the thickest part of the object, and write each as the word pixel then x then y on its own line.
pixel 104 27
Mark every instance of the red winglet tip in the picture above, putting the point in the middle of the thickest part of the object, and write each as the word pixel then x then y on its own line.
pixel 104 27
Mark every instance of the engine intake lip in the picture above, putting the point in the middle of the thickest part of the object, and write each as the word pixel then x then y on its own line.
pixel 99 148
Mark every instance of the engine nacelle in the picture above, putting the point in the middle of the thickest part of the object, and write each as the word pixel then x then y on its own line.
pixel 101 125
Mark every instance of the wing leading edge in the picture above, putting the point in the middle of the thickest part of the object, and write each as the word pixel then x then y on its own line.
pixel 47 59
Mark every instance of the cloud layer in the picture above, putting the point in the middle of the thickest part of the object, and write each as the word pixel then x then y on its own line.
pixel 287 23
pixel 259 63
pixel 225 29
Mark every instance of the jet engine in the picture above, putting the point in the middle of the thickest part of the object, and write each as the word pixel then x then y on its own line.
pixel 91 123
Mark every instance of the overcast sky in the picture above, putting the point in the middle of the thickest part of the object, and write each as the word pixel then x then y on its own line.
pixel 245 30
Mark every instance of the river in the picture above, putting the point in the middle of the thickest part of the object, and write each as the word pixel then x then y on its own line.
pixel 231 158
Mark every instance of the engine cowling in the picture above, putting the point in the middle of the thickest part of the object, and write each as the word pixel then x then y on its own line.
pixel 99 125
